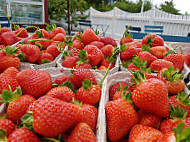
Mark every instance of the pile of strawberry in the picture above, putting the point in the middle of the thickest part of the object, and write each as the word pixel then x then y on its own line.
pixel 89 50
pixel 41 110
pixel 153 108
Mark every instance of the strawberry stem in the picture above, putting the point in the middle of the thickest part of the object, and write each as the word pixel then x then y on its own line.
pixel 76 102
pixel 26 28
pixel 100 83
pixel 3 137
pixel 51 139
pixel 12 27
pixel 177 113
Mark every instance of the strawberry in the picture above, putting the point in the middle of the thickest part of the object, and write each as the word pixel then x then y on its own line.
pixel 149 119
pixel 40 33
pixel 6 80
pixel 2 53
pixel 63 93
pixel 45 58
pixel 150 95
pixel 158 51
pixel 89 36
pixel 12 71
pixel 82 133
pixel 52 117
pixel 53 50
pixel 23 135
pixel 142 133
pixel 31 52
pixel 186 58
pixel 23 34
pixel 8 61
pixel 174 81
pixel 182 100
pixel 88 93
pixel 127 52
pixel 168 137
pixel 160 64
pixel 84 65
pixel 2 46
pixel 70 62
pixel 55 31
pixel 79 75
pixel 59 45
pixel 153 40
pixel 77 44
pixel 120 94
pixel 102 68
pixel 107 50
pixel 112 90
pixel 4 29
pixel 62 78
pixel 7 126
pixel 42 44
pixel 106 62
pixel 108 40
pixel 94 54
pixel 88 114
pixel 176 59
pixel 135 44
pixel 125 40
pixel 34 82
pixel 59 37
pixel 146 56
pixel 26 40
pixel 97 44
pixel 8 38
pixel 120 118
pixel 177 115
pixel 75 35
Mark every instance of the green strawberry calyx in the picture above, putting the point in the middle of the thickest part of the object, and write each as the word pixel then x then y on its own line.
pixel 69 85
pixel 127 97
pixel 183 99
pixel 21 56
pixel 66 54
pixel 76 102
pixel 145 48
pixel 10 51
pixel 82 57
pixel 172 75
pixel 16 27
pixel 170 52
pixel 138 77
pixel 87 84
pixel 120 88
pixel 59 139
pixel 115 52
pixel 8 96
pixel 50 27
pixel 27 121
pixel 3 137
pixel 181 134
pixel 177 113
pixel 46 61
pixel 126 64
pixel 149 41
pixel 124 47
pixel 27 28
pixel 38 45
pixel 79 35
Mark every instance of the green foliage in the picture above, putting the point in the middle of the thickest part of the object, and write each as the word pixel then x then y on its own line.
pixel 168 6
pixel 172 75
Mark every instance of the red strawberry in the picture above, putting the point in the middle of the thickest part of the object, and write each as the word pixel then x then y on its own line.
pixel 119 94
pixel 173 80
pixel 2 46
pixel 120 117
pixel 149 119
pixel 146 56
pixel 160 64
pixel 4 29
pixel 45 58
pixel 141 132
pixel 58 45
pixel 89 36
pixel 8 61
pixel 5 81
pixel 177 116
pixel 59 37
pixel 127 52
pixel 63 93
pixel 62 78
pixel 153 40
pixel 55 31
pixel 94 54
pixel 7 126
pixel 135 44
pixel 113 88
pixel 97 44
pixel 124 40
pixel 53 50
pixel 31 52
pixel 88 93
pixel 53 117
pixel 77 44
pixel 75 35
pixel 168 137
pixel 105 62
pixel 70 62
pixel 2 53
pixel 23 34
pixel 42 44
pixel 23 135
pixel 8 38
pixel 158 51
pixel 43 33
pixel 182 100
pixel 102 68
pixel 151 95
pixel 176 59
pixel 82 133
pixel 34 82
pixel 12 71
pixel 107 50
pixel 186 58
pixel 74 53
pixel 109 40
pixel 84 65
pixel 79 75
pixel 26 40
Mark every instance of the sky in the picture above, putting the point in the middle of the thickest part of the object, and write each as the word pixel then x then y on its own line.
pixel 182 5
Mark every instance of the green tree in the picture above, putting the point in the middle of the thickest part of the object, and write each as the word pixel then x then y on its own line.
pixel 168 6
